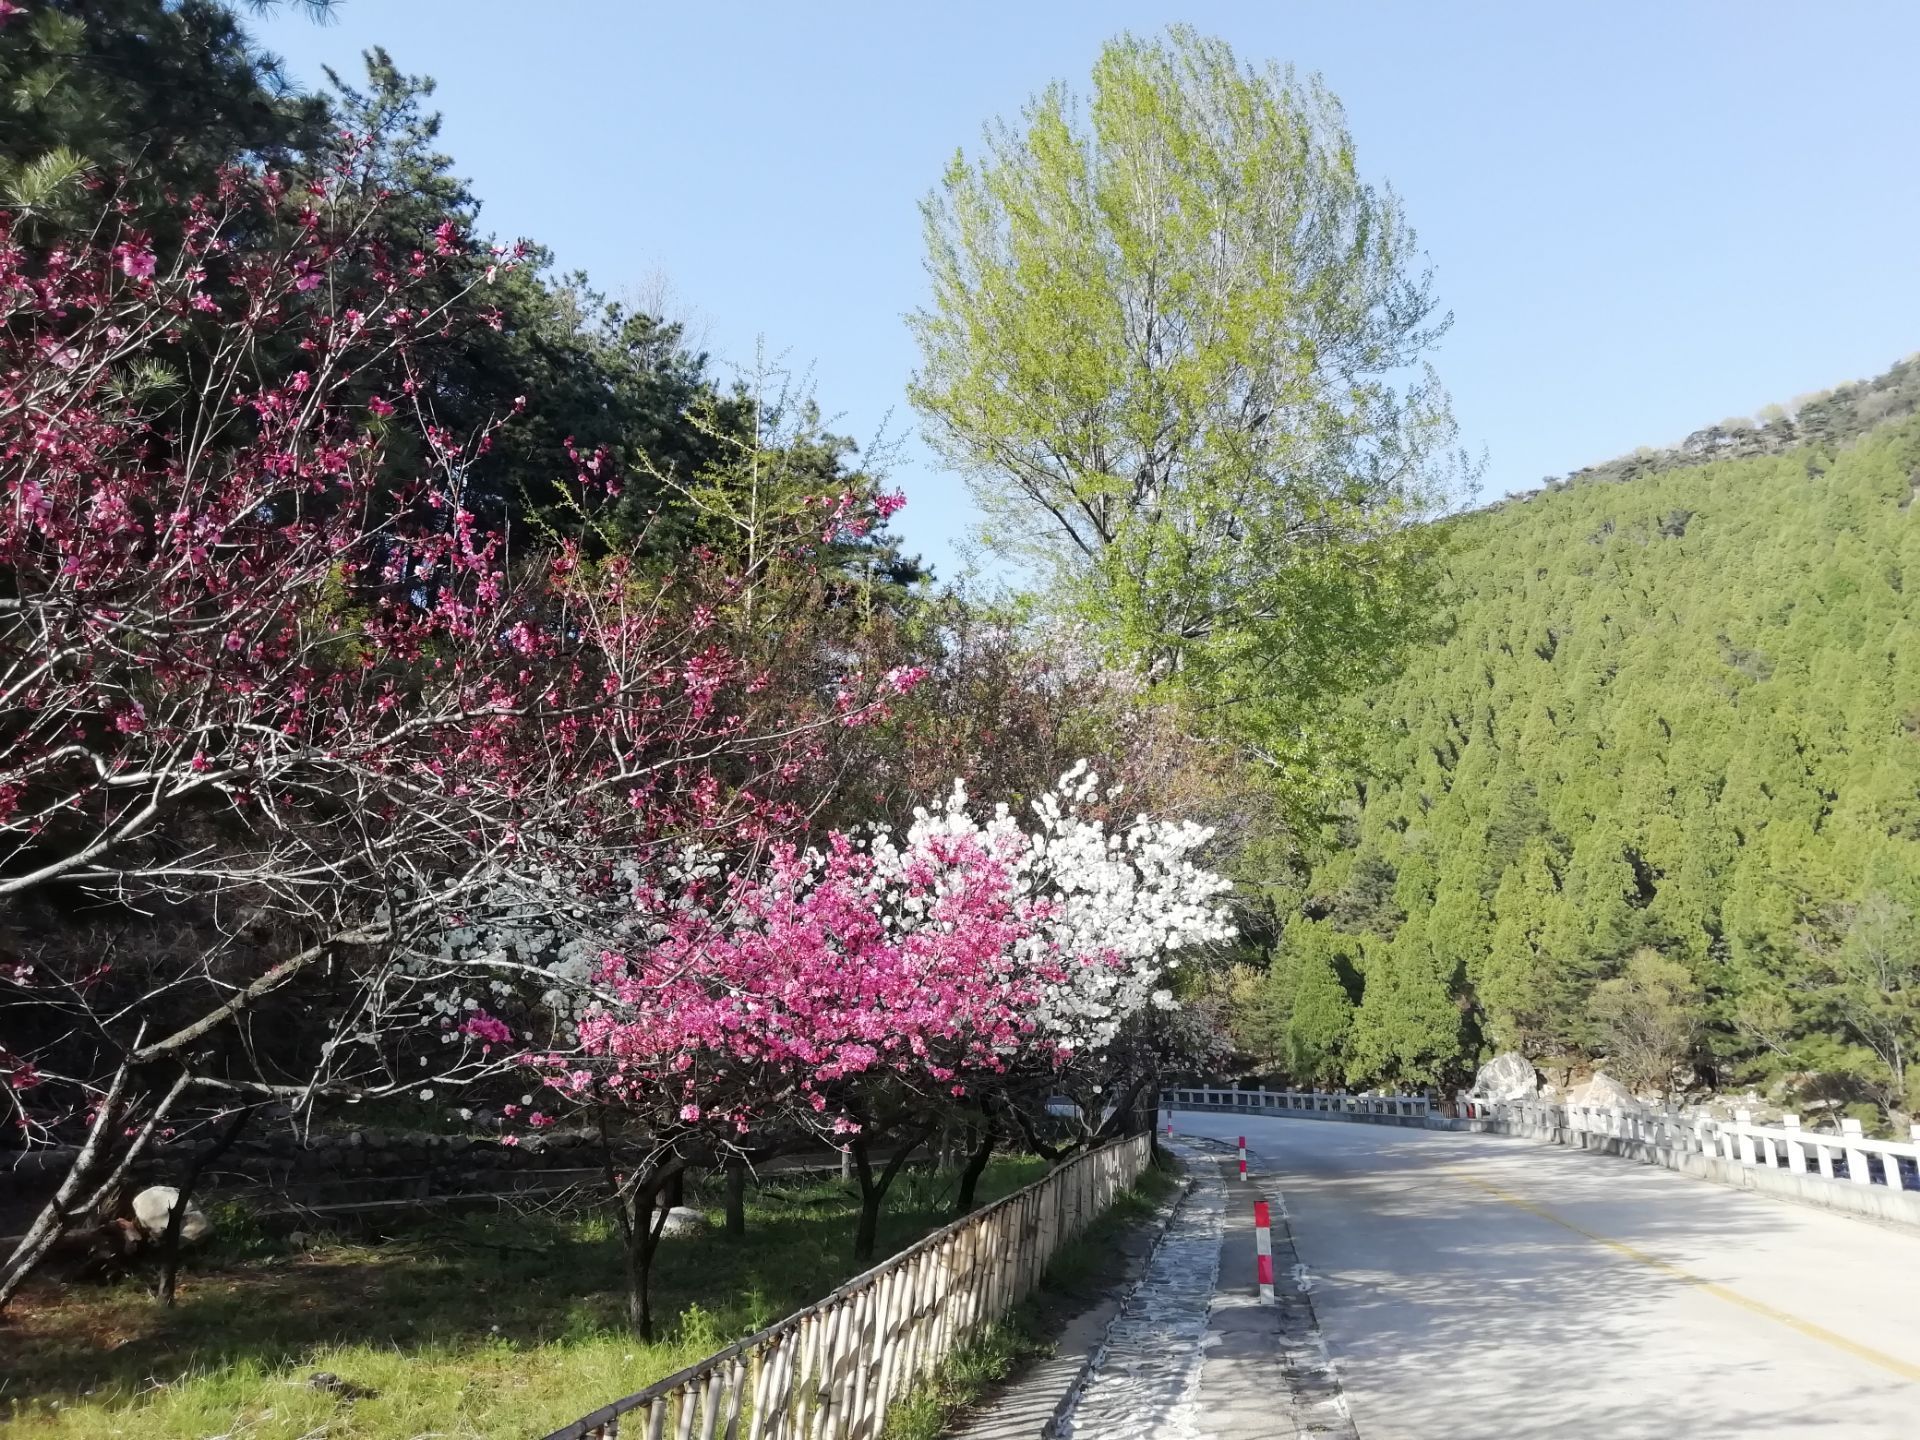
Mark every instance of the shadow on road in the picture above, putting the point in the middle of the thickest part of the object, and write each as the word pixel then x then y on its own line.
pixel 1460 1298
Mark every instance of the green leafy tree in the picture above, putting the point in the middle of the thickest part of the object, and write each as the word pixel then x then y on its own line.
pixel 1647 1020
pixel 1313 982
pixel 1169 344
pixel 1872 980
pixel 1258 1013
pixel 1408 1029
pixel 1515 980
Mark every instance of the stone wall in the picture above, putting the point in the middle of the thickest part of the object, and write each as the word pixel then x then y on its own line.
pixel 280 1169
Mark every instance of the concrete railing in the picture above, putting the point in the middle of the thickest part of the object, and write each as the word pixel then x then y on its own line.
pixel 1844 1171
pixel 836 1368
pixel 1304 1103
pixel 1848 1157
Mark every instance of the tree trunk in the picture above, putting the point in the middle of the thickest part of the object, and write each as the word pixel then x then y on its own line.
pixel 170 1241
pixel 67 1202
pixel 1052 1154
pixel 642 1219
pixel 635 1212
pixel 873 1190
pixel 1123 1120
pixel 736 1197
pixel 976 1167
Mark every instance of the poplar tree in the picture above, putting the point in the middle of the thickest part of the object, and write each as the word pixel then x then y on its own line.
pixel 1176 343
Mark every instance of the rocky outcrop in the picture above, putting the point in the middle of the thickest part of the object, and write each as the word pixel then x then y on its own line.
pixel 1605 1092
pixel 683 1220
pixel 1506 1077
pixel 278 1168
pixel 153 1205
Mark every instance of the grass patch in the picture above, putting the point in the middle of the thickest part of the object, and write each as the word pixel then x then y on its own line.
pixel 1082 1269
pixel 481 1325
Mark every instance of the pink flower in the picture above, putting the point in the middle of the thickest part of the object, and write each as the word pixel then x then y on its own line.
pixel 689 1113
pixel 482 1026
pixel 136 261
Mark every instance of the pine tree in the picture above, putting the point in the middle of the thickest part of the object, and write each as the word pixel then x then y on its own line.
pixel 1673 713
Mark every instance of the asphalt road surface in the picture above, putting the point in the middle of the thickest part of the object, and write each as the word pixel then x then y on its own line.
pixel 1494 1289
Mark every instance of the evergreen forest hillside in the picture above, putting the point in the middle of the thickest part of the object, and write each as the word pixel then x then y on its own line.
pixel 1653 798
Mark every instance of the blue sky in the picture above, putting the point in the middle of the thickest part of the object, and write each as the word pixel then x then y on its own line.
pixel 1645 217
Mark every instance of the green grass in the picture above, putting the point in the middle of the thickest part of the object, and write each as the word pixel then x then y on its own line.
pixel 459 1327
pixel 1080 1271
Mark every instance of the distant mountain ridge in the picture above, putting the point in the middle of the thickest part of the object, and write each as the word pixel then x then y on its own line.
pixel 1825 418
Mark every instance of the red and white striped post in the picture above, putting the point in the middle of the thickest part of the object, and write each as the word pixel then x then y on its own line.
pixel 1263 1250
pixel 1243 1157
pixel 1169 1125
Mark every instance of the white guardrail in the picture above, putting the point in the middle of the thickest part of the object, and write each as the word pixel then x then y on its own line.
pixel 1848 1156
pixel 1298 1102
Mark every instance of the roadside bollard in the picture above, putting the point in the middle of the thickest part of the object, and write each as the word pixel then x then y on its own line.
pixel 1243 1157
pixel 1263 1250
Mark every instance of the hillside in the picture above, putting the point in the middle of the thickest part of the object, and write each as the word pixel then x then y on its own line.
pixel 1678 714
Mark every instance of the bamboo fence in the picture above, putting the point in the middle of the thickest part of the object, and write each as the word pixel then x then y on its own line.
pixel 831 1371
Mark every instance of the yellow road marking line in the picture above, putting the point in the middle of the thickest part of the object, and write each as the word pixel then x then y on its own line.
pixel 1904 1369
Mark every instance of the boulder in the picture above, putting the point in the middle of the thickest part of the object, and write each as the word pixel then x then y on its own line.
pixel 683 1220
pixel 152 1206
pixel 1605 1092
pixel 1506 1077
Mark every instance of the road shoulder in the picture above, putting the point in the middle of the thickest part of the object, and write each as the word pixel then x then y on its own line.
pixel 1267 1374
pixel 1030 1404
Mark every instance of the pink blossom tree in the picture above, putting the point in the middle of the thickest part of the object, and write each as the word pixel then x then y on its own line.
pixel 866 986
pixel 787 997
pixel 261 671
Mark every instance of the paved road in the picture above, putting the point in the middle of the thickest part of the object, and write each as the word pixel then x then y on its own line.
pixel 1493 1289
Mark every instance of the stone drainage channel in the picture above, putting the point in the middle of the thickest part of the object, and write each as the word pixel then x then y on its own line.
pixel 1192 1355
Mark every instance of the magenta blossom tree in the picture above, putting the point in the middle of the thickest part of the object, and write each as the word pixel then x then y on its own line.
pixel 263 673
pixel 870 984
